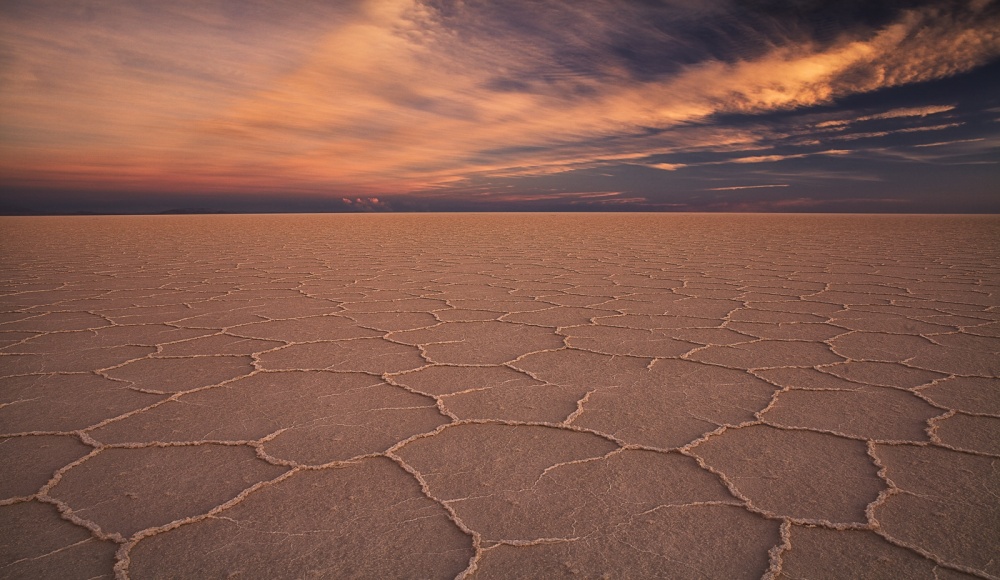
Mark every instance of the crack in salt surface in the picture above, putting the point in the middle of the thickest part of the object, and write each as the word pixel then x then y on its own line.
pixel 523 297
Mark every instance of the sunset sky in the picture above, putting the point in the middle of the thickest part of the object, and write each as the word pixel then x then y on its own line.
pixel 408 105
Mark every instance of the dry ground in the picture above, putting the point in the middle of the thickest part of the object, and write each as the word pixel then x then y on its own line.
pixel 500 396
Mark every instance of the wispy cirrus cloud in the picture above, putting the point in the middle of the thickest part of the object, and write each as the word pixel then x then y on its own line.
pixel 739 187
pixel 892 114
pixel 773 158
pixel 871 134
pixel 667 166
pixel 763 158
pixel 954 142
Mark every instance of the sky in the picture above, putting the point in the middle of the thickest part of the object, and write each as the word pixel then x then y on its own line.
pixel 480 105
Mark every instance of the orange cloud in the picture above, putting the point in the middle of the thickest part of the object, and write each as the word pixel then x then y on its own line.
pixel 667 166
pixel 388 100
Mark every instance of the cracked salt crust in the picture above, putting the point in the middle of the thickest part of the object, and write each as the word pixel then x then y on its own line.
pixel 472 396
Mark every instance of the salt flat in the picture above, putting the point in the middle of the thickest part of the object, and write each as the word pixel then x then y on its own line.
pixel 500 396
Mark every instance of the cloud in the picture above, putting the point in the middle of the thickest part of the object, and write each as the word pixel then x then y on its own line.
pixel 953 152
pixel 390 96
pixel 737 187
pixel 891 114
pixel 667 166
pixel 942 143
pixel 871 134
pixel 818 176
pixel 366 204
pixel 773 158
pixel 764 158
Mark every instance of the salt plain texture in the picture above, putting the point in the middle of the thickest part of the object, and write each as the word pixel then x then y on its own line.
pixel 500 396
